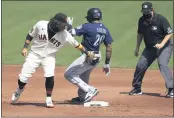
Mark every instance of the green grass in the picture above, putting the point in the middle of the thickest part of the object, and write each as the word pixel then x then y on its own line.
pixel 119 16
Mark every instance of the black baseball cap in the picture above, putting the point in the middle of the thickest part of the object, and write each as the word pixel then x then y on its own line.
pixel 146 7
pixel 61 17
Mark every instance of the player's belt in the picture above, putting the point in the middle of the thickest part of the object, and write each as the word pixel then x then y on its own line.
pixel 95 52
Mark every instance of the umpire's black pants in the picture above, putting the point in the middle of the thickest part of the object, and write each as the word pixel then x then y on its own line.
pixel 148 56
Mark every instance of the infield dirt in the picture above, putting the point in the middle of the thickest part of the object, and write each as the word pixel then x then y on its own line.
pixel 113 89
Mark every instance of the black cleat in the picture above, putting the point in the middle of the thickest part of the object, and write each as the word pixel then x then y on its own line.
pixel 135 91
pixel 170 93
pixel 76 99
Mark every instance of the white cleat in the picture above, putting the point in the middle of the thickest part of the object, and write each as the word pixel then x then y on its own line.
pixel 49 102
pixel 90 95
pixel 16 94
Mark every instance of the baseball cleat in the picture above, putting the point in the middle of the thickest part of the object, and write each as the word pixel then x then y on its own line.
pixel 49 103
pixel 16 94
pixel 76 99
pixel 170 93
pixel 90 95
pixel 135 91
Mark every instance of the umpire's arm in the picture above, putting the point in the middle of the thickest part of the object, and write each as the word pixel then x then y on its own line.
pixel 139 34
pixel 167 30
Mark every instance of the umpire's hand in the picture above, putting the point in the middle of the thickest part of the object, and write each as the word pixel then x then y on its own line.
pixel 136 52
pixel 159 46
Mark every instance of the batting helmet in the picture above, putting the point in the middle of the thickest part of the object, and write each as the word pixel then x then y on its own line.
pixel 94 13
pixel 58 22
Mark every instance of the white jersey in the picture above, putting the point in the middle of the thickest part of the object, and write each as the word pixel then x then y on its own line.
pixel 44 46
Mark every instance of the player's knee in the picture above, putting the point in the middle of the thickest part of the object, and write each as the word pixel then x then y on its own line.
pixel 67 75
pixel 70 78
pixel 24 76
pixel 49 83
pixel 49 74
pixel 23 79
pixel 162 66
pixel 142 65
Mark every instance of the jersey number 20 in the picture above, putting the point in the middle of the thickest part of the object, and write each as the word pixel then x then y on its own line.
pixel 99 38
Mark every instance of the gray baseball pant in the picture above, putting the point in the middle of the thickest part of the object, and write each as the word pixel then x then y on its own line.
pixel 148 56
pixel 78 73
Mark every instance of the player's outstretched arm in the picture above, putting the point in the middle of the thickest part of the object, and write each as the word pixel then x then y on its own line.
pixel 78 46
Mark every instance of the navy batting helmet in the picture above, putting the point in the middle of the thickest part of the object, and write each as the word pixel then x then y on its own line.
pixel 94 13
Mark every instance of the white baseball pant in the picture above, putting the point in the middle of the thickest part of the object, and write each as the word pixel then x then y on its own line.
pixel 32 62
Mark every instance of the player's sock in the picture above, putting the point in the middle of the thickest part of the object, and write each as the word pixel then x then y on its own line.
pixel 49 84
pixel 21 84
pixel 49 92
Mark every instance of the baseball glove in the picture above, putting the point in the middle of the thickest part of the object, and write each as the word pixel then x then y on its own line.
pixel 92 58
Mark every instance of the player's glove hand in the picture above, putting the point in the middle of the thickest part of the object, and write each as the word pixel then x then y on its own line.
pixel 70 20
pixel 24 52
pixel 106 69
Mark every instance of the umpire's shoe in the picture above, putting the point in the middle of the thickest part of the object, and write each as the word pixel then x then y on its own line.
pixel 170 93
pixel 90 95
pixel 16 94
pixel 135 91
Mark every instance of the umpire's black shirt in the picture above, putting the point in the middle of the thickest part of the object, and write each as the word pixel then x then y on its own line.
pixel 154 31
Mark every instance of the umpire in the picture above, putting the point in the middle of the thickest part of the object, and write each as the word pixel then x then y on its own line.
pixel 156 31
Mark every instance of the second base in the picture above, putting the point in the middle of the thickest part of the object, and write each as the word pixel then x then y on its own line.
pixel 96 104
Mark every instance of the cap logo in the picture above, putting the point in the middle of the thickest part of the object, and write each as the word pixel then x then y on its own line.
pixel 95 11
pixel 145 6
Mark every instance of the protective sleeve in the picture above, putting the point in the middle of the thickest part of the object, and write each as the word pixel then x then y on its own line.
pixel 28 37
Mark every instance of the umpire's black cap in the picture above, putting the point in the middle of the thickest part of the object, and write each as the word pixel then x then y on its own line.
pixel 146 7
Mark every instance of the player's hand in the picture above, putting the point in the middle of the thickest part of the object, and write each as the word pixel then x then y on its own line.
pixel 159 46
pixel 106 69
pixel 90 56
pixel 136 52
pixel 24 52
pixel 70 20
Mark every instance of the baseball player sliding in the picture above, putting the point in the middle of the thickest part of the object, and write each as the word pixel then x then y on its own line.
pixel 94 33
pixel 47 38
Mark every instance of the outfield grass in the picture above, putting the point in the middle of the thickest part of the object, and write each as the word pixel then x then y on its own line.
pixel 119 16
